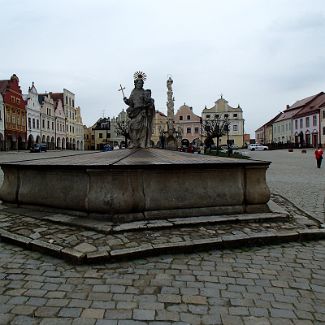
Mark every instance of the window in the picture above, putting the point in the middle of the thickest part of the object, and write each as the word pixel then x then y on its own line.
pixel 92 137
pixel 208 116
pixel 235 115
pixel 196 130
pixel 188 130
pixel 72 102
pixel 29 123
pixel 66 99
pixel 108 135
pixel 181 118
pixel 43 124
pixel 324 130
pixel 52 125
pixel 307 122
pixel 235 127
pixel 301 123
pixel 188 117
pixel 0 115
pixel 37 123
pixel 33 123
pixel 296 124
pixel 226 115
pixel 100 135
pixel 314 120
pixel 17 101
pixel 323 114
pixel 48 124
pixel 13 119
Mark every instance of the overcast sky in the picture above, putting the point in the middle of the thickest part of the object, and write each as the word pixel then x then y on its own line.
pixel 261 54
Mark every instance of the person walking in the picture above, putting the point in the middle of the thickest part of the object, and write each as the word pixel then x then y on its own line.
pixel 319 156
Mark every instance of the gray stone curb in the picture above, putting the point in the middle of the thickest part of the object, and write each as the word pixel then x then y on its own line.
pixel 229 241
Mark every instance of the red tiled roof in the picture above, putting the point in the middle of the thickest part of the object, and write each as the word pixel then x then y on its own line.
pixel 313 106
pixel 303 102
pixel 56 96
pixel 287 114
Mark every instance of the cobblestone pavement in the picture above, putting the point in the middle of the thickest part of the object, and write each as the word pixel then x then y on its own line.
pixel 281 284
pixel 270 285
pixel 295 176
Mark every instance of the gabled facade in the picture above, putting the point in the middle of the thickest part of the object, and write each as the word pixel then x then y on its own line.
pixel 33 110
pixel 15 134
pixel 221 110
pixel 59 125
pixel 70 114
pixel 188 123
pixel 47 120
pixel 79 130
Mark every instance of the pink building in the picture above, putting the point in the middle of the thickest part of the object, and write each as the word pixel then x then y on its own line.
pixel 188 123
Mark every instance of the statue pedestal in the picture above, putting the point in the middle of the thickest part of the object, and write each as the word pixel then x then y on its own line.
pixel 127 185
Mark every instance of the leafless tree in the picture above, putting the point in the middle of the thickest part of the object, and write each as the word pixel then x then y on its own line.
pixel 215 128
pixel 122 129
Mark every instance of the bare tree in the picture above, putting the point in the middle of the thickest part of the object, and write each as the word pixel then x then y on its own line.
pixel 215 128
pixel 122 129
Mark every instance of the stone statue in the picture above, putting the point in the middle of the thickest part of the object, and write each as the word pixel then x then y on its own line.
pixel 141 112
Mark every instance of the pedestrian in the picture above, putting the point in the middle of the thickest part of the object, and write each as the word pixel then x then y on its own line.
pixel 319 155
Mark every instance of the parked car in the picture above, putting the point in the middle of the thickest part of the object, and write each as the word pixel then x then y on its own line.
pixel 38 147
pixel 257 146
pixel 107 147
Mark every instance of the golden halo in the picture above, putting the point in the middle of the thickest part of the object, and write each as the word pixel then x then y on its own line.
pixel 139 75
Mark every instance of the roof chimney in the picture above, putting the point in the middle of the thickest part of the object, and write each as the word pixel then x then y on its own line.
pixel 288 106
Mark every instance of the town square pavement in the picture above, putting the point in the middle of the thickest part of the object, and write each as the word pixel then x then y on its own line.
pixel 275 284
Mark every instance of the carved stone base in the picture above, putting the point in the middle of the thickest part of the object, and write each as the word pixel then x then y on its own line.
pixel 126 185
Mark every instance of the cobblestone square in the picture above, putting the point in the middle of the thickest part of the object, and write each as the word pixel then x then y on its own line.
pixel 273 284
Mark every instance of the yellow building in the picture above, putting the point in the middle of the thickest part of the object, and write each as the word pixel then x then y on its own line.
pixel 159 126
pixel 222 110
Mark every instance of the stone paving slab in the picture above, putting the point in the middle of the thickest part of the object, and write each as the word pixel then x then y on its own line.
pixel 135 157
pixel 82 240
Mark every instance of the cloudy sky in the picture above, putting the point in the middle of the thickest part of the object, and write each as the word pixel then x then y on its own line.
pixel 261 54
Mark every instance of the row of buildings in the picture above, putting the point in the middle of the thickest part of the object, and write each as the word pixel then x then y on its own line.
pixel 51 118
pixel 187 124
pixel 301 124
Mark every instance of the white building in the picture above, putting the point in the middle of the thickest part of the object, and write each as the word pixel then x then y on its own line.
pixel 59 127
pixel 47 120
pixel 33 110
pixel 79 130
pixel 70 115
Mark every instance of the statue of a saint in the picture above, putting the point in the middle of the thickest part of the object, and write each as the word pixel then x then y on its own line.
pixel 141 111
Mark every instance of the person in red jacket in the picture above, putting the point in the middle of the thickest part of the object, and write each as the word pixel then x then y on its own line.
pixel 319 156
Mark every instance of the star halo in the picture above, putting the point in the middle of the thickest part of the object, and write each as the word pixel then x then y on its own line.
pixel 139 75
